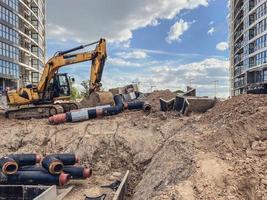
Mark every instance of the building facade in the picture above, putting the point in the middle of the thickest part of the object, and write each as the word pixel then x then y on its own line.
pixel 22 42
pixel 248 46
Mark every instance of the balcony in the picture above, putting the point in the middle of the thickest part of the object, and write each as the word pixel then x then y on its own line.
pixel 238 7
pixel 252 4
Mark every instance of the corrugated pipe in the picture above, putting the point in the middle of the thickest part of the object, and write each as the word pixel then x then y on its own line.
pixel 10 164
pixel 91 113
pixel 35 178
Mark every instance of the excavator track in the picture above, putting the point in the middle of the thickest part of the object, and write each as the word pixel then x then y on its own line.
pixel 40 111
pixel 68 106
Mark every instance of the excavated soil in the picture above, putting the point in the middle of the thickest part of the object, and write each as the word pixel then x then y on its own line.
pixel 221 154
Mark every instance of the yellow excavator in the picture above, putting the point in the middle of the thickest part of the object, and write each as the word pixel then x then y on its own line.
pixel 52 94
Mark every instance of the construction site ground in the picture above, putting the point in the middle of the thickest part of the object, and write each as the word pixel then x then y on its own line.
pixel 221 154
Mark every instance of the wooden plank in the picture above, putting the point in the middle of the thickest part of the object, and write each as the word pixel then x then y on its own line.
pixel 120 193
pixel 64 192
pixel 49 194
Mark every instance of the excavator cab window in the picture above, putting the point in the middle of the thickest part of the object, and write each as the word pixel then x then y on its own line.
pixel 62 85
pixel 59 86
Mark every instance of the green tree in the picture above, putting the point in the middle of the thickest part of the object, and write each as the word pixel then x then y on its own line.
pixel 85 91
pixel 74 93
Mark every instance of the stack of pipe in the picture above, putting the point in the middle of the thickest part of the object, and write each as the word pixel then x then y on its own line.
pixel 31 169
pixel 100 111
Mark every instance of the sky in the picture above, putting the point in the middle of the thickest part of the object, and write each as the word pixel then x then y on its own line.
pixel 159 44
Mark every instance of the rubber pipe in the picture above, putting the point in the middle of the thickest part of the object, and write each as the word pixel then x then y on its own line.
pixel 77 172
pixel 35 178
pixel 52 164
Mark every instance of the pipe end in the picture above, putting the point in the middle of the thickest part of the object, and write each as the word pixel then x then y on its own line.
pixel 56 167
pixel 77 159
pixel 38 158
pixel 146 107
pixel 63 179
pixel 10 167
pixel 58 119
pixel 87 172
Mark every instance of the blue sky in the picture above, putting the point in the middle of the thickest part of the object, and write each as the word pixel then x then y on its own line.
pixel 161 43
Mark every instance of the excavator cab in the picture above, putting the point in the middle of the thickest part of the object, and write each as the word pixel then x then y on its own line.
pixel 59 88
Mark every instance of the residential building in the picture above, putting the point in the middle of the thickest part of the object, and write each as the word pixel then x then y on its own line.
pixel 22 42
pixel 248 46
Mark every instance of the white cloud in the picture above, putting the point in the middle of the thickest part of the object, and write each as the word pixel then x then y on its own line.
pixel 211 31
pixel 211 23
pixel 133 54
pixel 177 30
pixel 169 75
pixel 114 20
pixel 120 62
pixel 222 46
pixel 59 32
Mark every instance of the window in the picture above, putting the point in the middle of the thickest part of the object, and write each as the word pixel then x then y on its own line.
pixel 9 16
pixel 9 34
pixel 9 69
pixel 9 51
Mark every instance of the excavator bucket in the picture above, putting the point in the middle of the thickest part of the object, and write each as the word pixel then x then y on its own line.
pixel 98 99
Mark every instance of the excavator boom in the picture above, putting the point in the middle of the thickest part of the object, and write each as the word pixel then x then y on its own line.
pixel 98 57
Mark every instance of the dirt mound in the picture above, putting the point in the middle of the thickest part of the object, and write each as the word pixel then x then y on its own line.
pixel 235 109
pixel 237 133
pixel 221 154
pixel 153 98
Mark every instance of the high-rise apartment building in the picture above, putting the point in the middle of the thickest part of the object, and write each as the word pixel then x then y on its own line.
pixel 22 42
pixel 248 46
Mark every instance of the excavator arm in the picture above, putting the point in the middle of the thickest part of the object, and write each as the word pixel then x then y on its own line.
pixel 61 59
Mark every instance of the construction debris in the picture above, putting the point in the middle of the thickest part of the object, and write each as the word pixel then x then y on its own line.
pixel 166 105
pixel 185 105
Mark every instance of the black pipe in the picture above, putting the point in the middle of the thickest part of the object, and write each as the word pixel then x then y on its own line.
pixel 33 168
pixel 77 172
pixel 137 105
pixel 67 158
pixel 115 109
pixel 35 178
pixel 52 165
pixel 8 165
pixel 26 159
pixel 91 113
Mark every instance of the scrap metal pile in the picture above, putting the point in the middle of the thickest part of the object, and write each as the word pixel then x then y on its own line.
pixel 32 169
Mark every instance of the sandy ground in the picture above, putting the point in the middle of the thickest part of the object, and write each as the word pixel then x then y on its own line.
pixel 221 154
